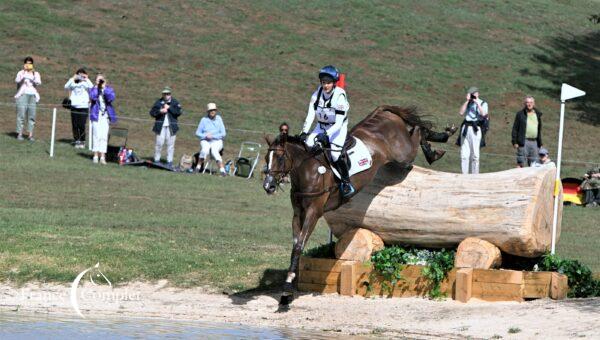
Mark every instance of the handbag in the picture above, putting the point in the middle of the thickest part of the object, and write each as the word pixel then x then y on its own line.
pixel 66 103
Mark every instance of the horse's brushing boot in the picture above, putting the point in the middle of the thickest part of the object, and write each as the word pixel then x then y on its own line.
pixel 346 188
pixel 431 155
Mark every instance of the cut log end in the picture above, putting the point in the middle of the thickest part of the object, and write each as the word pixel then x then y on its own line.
pixel 358 245
pixel 473 252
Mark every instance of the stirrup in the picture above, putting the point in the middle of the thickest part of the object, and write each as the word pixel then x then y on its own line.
pixel 347 189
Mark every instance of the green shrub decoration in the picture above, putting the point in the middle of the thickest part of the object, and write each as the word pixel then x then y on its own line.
pixel 581 281
pixel 389 263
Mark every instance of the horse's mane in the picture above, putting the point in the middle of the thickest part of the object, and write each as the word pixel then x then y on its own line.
pixel 409 114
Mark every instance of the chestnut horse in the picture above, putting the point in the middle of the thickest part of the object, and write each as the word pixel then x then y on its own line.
pixel 392 134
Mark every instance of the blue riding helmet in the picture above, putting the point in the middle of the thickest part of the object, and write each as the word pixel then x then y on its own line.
pixel 329 71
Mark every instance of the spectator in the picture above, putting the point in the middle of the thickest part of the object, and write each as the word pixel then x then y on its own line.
pixel 165 110
pixel 527 133
pixel 27 97
pixel 544 159
pixel 102 96
pixel 78 87
pixel 475 111
pixel 284 128
pixel 591 187
pixel 211 132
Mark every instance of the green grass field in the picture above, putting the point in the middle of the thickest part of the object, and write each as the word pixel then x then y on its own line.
pixel 258 61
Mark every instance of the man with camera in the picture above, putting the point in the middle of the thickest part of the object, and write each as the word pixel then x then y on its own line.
pixel 78 87
pixel 165 110
pixel 475 111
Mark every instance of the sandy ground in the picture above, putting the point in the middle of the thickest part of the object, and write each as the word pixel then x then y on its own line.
pixel 409 317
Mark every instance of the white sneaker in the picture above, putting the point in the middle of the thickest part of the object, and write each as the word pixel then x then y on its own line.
pixel 102 160
pixel 95 160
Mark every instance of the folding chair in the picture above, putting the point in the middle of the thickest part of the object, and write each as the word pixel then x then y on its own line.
pixel 247 159
pixel 208 162
pixel 112 150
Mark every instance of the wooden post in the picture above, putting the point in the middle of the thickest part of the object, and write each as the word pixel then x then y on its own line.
pixel 464 284
pixel 347 279
pixel 559 286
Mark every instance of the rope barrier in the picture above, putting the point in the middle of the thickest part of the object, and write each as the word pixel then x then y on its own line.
pixel 152 121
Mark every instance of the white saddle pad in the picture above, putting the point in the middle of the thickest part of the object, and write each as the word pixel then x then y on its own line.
pixel 360 158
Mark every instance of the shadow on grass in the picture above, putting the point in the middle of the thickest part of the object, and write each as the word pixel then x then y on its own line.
pixel 11 134
pixel 572 59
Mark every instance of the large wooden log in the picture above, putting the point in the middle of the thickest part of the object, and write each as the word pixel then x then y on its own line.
pixel 474 252
pixel 512 209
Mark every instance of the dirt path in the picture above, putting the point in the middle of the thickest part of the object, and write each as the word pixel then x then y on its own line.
pixel 411 317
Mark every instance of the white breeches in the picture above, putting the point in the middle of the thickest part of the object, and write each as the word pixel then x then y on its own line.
pixel 100 134
pixel 213 146
pixel 336 139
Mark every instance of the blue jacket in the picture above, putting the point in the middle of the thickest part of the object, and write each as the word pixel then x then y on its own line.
pixel 173 112
pixel 109 97
pixel 213 126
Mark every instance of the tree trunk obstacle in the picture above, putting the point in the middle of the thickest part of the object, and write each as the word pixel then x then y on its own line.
pixel 510 209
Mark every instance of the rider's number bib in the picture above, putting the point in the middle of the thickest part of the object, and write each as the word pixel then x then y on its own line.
pixel 326 115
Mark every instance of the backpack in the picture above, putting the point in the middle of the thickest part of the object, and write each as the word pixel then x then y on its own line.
pixel 186 162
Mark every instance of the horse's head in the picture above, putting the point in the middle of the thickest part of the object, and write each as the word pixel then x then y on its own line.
pixel 279 163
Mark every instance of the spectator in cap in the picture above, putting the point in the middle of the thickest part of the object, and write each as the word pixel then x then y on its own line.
pixel 27 97
pixel 211 133
pixel 78 87
pixel 165 110
pixel 543 158
pixel 475 111
pixel 527 133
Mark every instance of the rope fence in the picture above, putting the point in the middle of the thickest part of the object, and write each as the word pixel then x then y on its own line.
pixel 140 129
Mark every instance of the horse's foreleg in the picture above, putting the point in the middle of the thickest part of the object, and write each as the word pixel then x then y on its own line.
pixel 306 223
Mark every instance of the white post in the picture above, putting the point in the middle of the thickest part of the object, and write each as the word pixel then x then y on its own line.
pixel 53 133
pixel 89 133
pixel 557 179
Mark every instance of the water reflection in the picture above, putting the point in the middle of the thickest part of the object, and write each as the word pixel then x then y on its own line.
pixel 37 326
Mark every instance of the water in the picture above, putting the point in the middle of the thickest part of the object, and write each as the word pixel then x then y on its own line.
pixel 36 326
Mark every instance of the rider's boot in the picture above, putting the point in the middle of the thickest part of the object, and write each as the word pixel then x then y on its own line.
pixel 430 154
pixel 346 188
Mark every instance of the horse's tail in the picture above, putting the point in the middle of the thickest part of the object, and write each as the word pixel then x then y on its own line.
pixel 409 114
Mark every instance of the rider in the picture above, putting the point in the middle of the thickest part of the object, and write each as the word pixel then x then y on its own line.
pixel 330 105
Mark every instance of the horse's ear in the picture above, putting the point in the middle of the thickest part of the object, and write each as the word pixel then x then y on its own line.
pixel 268 139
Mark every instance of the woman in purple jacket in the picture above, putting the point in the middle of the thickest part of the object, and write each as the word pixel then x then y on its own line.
pixel 101 114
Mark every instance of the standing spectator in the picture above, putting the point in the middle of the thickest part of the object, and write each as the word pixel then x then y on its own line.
pixel 102 96
pixel 544 159
pixel 211 132
pixel 27 97
pixel 78 87
pixel 284 129
pixel 165 110
pixel 527 133
pixel 475 111
pixel 591 187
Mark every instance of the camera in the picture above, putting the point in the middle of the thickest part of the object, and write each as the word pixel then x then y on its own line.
pixel 473 96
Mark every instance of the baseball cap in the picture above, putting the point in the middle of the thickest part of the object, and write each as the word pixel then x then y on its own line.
pixel 543 152
pixel 473 89
pixel 167 89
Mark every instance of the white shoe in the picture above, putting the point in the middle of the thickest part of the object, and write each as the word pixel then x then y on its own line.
pixel 102 160
pixel 95 160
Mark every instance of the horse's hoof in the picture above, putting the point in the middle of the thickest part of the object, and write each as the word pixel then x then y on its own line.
pixel 286 299
pixel 451 129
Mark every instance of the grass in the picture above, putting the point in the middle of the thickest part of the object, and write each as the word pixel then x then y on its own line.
pixel 257 60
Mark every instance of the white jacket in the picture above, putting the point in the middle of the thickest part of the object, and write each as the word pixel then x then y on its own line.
pixel 80 97
pixel 331 109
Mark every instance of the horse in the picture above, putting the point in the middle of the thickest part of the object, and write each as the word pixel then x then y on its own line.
pixel 392 134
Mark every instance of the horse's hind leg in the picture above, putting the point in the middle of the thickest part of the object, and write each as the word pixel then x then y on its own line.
pixel 432 155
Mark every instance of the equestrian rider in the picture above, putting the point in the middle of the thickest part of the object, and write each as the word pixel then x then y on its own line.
pixel 329 104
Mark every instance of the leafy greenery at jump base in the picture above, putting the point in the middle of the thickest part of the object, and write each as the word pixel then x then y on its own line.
pixel 258 61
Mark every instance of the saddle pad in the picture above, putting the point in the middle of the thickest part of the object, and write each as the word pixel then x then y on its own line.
pixel 360 158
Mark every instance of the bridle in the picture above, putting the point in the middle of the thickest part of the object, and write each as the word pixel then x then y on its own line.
pixel 278 174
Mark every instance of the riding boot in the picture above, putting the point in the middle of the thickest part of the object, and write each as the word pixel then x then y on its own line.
pixel 346 188
pixel 430 154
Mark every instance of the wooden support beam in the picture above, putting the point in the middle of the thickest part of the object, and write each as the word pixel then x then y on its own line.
pixel 348 278
pixel 464 284
pixel 559 286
